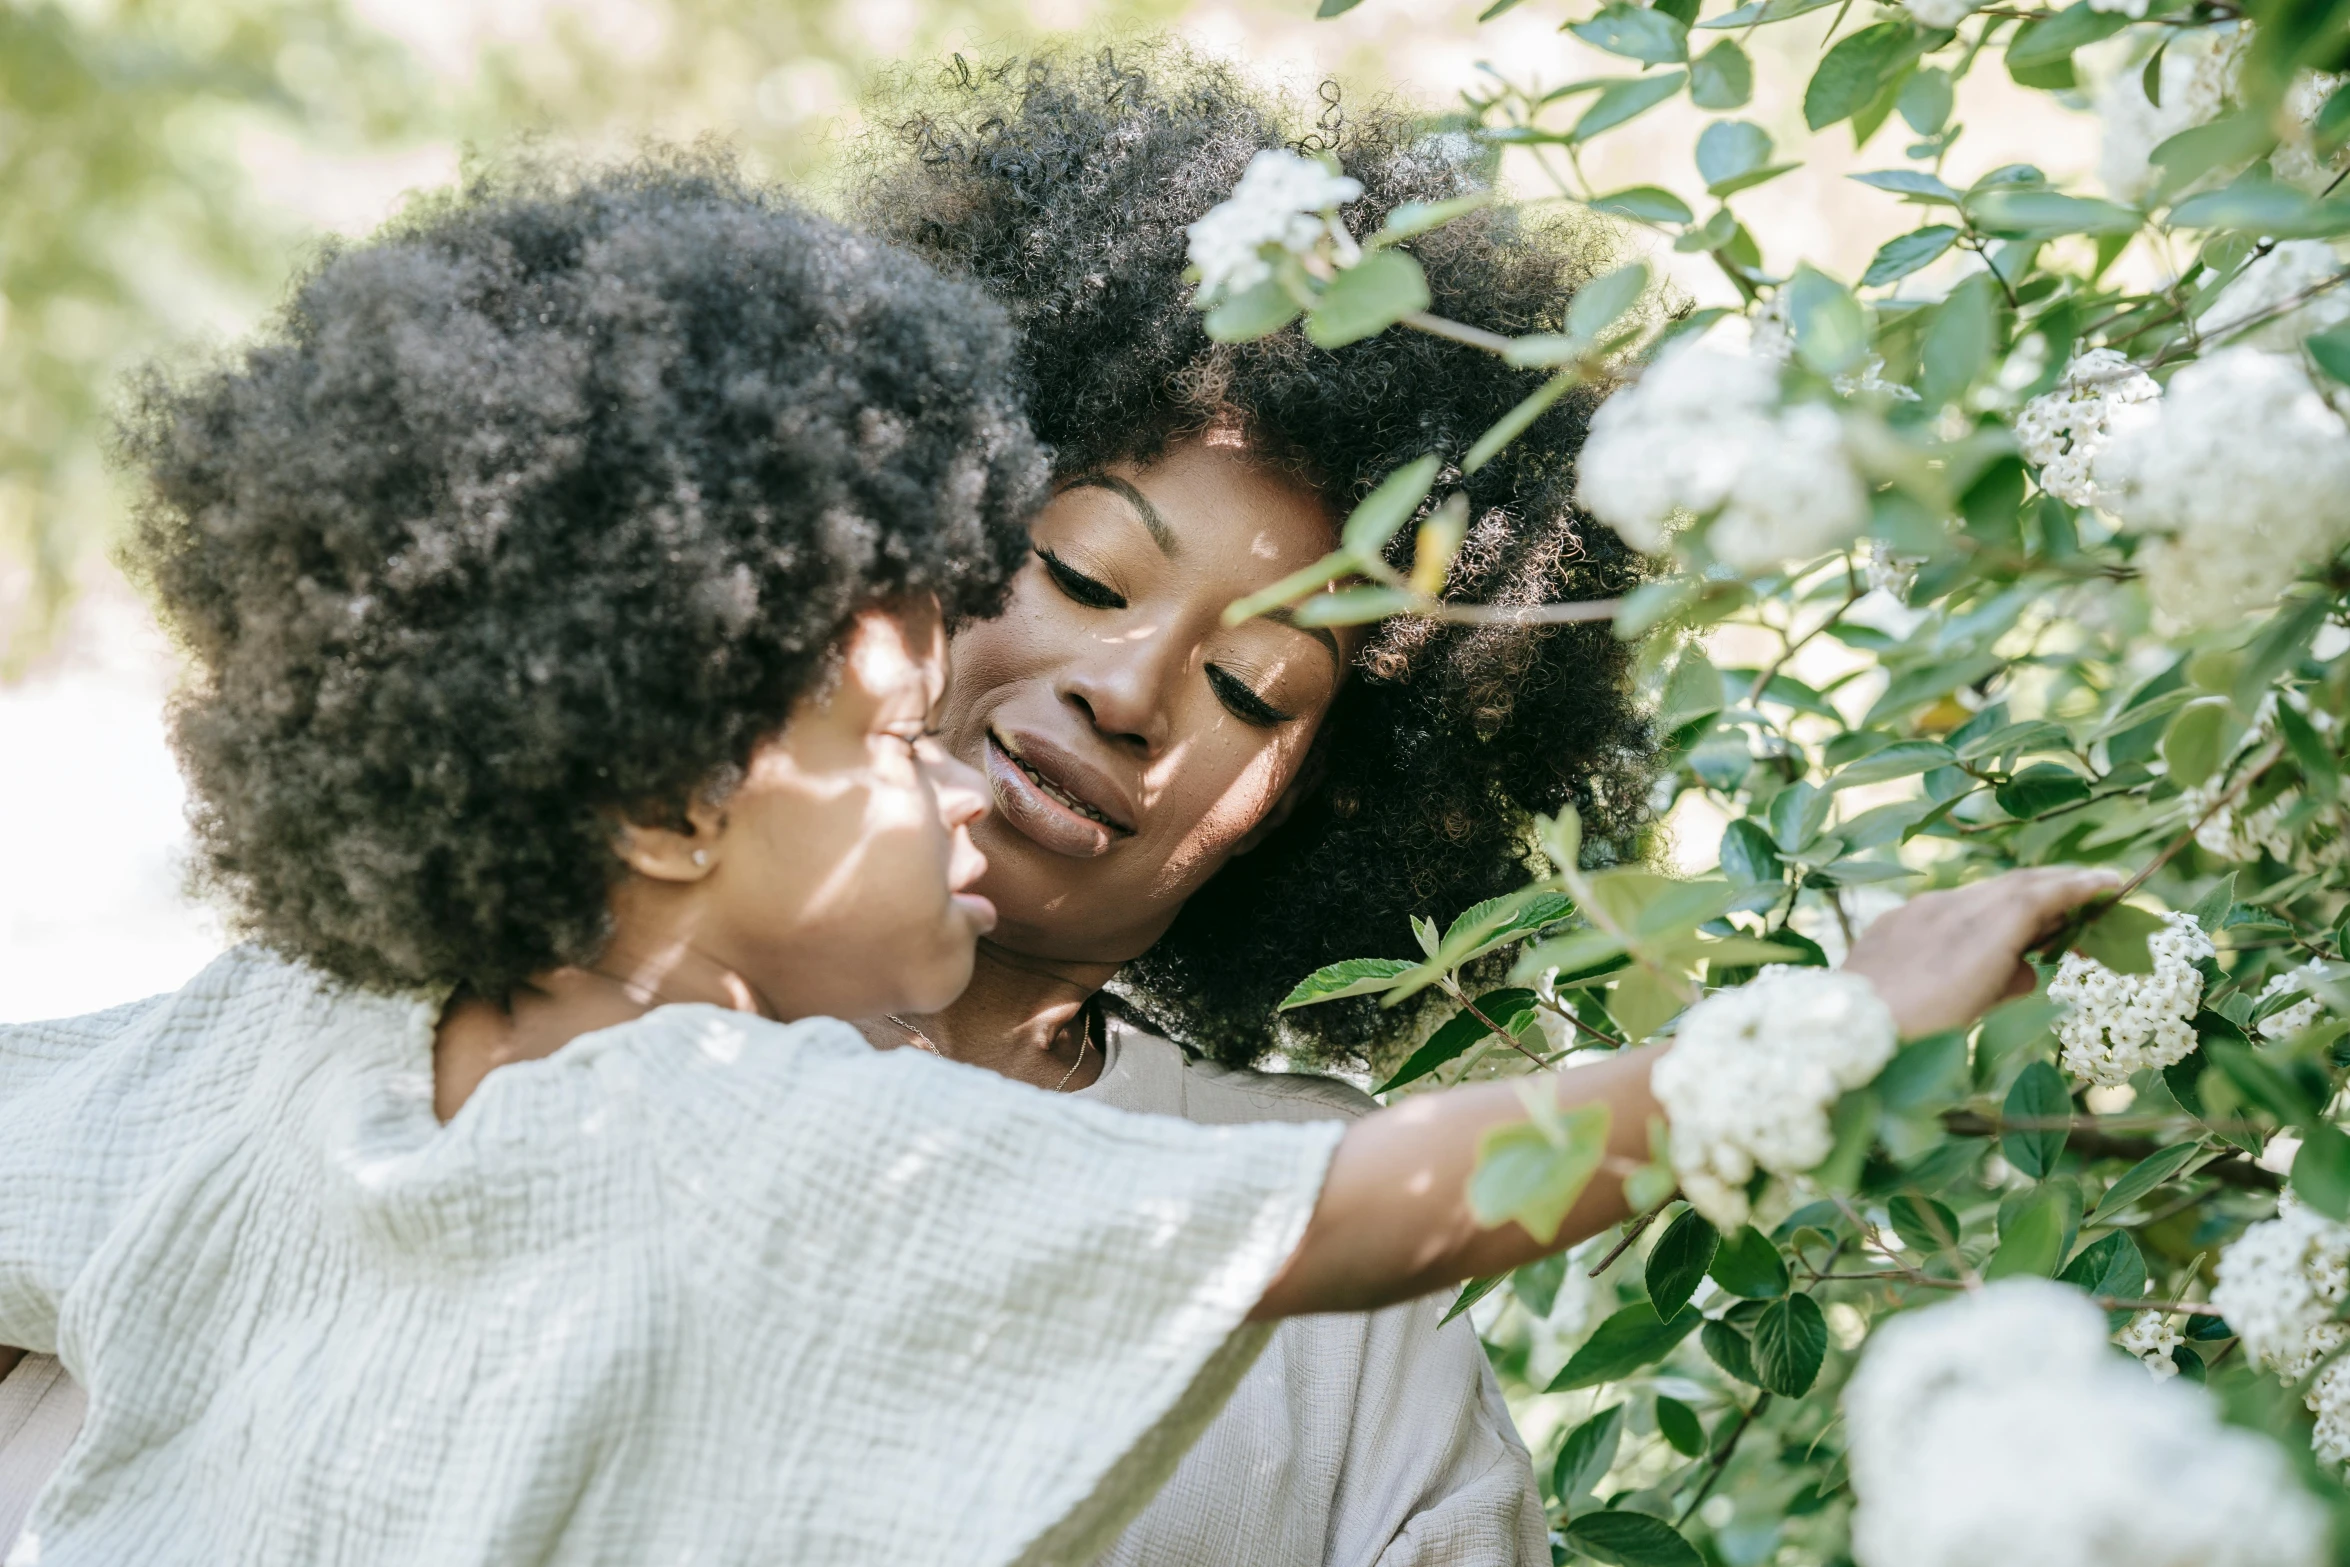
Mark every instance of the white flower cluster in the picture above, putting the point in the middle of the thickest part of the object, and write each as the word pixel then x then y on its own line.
pixel 2000 1430
pixel 2135 10
pixel 2120 1023
pixel 2151 1336
pixel 1753 1073
pixel 2240 481
pixel 2287 1022
pixel 2283 275
pixel 1702 434
pixel 2198 75
pixel 1283 200
pixel 2063 431
pixel 2238 835
pixel 2280 1284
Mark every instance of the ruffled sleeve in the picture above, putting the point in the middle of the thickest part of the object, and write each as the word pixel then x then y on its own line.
pixel 92 1108
pixel 1002 1307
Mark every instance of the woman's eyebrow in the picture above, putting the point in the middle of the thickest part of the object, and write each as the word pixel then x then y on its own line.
pixel 1161 535
pixel 1321 634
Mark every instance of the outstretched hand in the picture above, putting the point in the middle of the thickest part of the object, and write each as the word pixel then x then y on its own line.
pixel 1944 959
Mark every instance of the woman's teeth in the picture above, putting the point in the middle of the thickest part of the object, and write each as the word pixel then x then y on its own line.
pixel 1058 793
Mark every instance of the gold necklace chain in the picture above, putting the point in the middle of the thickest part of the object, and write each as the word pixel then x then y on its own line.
pixel 1084 1038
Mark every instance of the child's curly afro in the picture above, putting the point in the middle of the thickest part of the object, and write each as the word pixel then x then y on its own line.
pixel 1064 185
pixel 538 511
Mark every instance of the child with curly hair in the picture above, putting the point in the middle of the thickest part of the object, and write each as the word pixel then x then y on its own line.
pixel 566 582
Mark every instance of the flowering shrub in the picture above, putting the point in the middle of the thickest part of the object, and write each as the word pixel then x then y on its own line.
pixel 2024 546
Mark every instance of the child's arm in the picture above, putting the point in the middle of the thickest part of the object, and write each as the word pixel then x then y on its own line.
pixel 1393 1221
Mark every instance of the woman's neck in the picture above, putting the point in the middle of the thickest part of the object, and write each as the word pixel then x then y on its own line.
pixel 1023 1017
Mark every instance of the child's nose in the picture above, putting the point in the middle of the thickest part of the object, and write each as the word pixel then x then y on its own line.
pixel 962 792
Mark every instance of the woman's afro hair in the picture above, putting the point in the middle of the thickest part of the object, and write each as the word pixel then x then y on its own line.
pixel 1064 185
pixel 536 512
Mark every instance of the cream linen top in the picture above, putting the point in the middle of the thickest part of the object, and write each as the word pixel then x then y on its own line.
pixel 1358 1440
pixel 696 1289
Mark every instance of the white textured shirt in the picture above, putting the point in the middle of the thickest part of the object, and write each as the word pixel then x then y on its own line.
pixel 1373 1439
pixel 696 1289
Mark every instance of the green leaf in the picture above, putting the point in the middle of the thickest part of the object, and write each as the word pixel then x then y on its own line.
pixel 1958 341
pixel 1747 854
pixel 2054 38
pixel 2034 1242
pixel 1729 148
pixel 1898 257
pixel 1898 760
pixel 2038 1095
pixel 1349 977
pixel 1625 99
pixel 2192 745
pixel 1634 1337
pixel 1795 814
pixel 1747 1263
pixel 1679 1260
pixel 1790 1341
pixel 1637 33
pixel 1721 78
pixel 2110 1265
pixel 1471 1293
pixel 2117 938
pixel 1602 302
pixel 2044 214
pixel 1496 922
pixel 1525 1174
pixel 2144 1176
pixel 1678 1423
pixel 1916 184
pixel 1415 218
pixel 1728 1348
pixel 2258 1077
pixel 1462 1030
pixel 1384 511
pixel 2331 350
pixel 1731 187
pixel 1924 1225
pixel 1644 204
pixel 1254 313
pixel 1588 1453
pixel 1624 1538
pixel 1851 73
pixel 2321 1170
pixel 2231 139
pixel 2040 788
pixel 2320 772
pixel 1831 330
pixel 1367 298
pixel 1330 8
pixel 1926 101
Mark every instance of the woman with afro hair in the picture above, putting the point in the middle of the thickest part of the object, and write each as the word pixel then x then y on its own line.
pixel 1191 817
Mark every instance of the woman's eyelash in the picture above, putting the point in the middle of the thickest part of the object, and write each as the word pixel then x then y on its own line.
pixel 1084 589
pixel 1243 703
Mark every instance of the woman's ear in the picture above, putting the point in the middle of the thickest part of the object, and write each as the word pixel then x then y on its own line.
pixel 684 851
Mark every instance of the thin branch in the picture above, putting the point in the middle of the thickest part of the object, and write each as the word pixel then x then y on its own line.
pixel 1500 1033
pixel 1459 332
pixel 1631 1234
pixel 1722 1456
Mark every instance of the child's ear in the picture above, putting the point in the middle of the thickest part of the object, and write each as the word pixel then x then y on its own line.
pixel 686 850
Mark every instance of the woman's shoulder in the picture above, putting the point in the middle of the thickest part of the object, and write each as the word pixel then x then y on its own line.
pixel 1150 1073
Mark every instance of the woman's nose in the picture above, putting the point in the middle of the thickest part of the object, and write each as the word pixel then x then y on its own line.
pixel 1124 695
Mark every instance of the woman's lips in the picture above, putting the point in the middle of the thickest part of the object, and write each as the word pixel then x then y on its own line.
pixel 1045 820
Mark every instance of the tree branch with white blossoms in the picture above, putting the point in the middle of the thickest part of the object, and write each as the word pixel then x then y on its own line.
pixel 2034 535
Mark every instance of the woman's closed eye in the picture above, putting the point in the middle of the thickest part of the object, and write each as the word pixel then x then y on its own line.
pixel 1089 591
pixel 1243 703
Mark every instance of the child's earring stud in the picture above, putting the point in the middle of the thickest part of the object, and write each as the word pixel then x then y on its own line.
pixel 701 856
